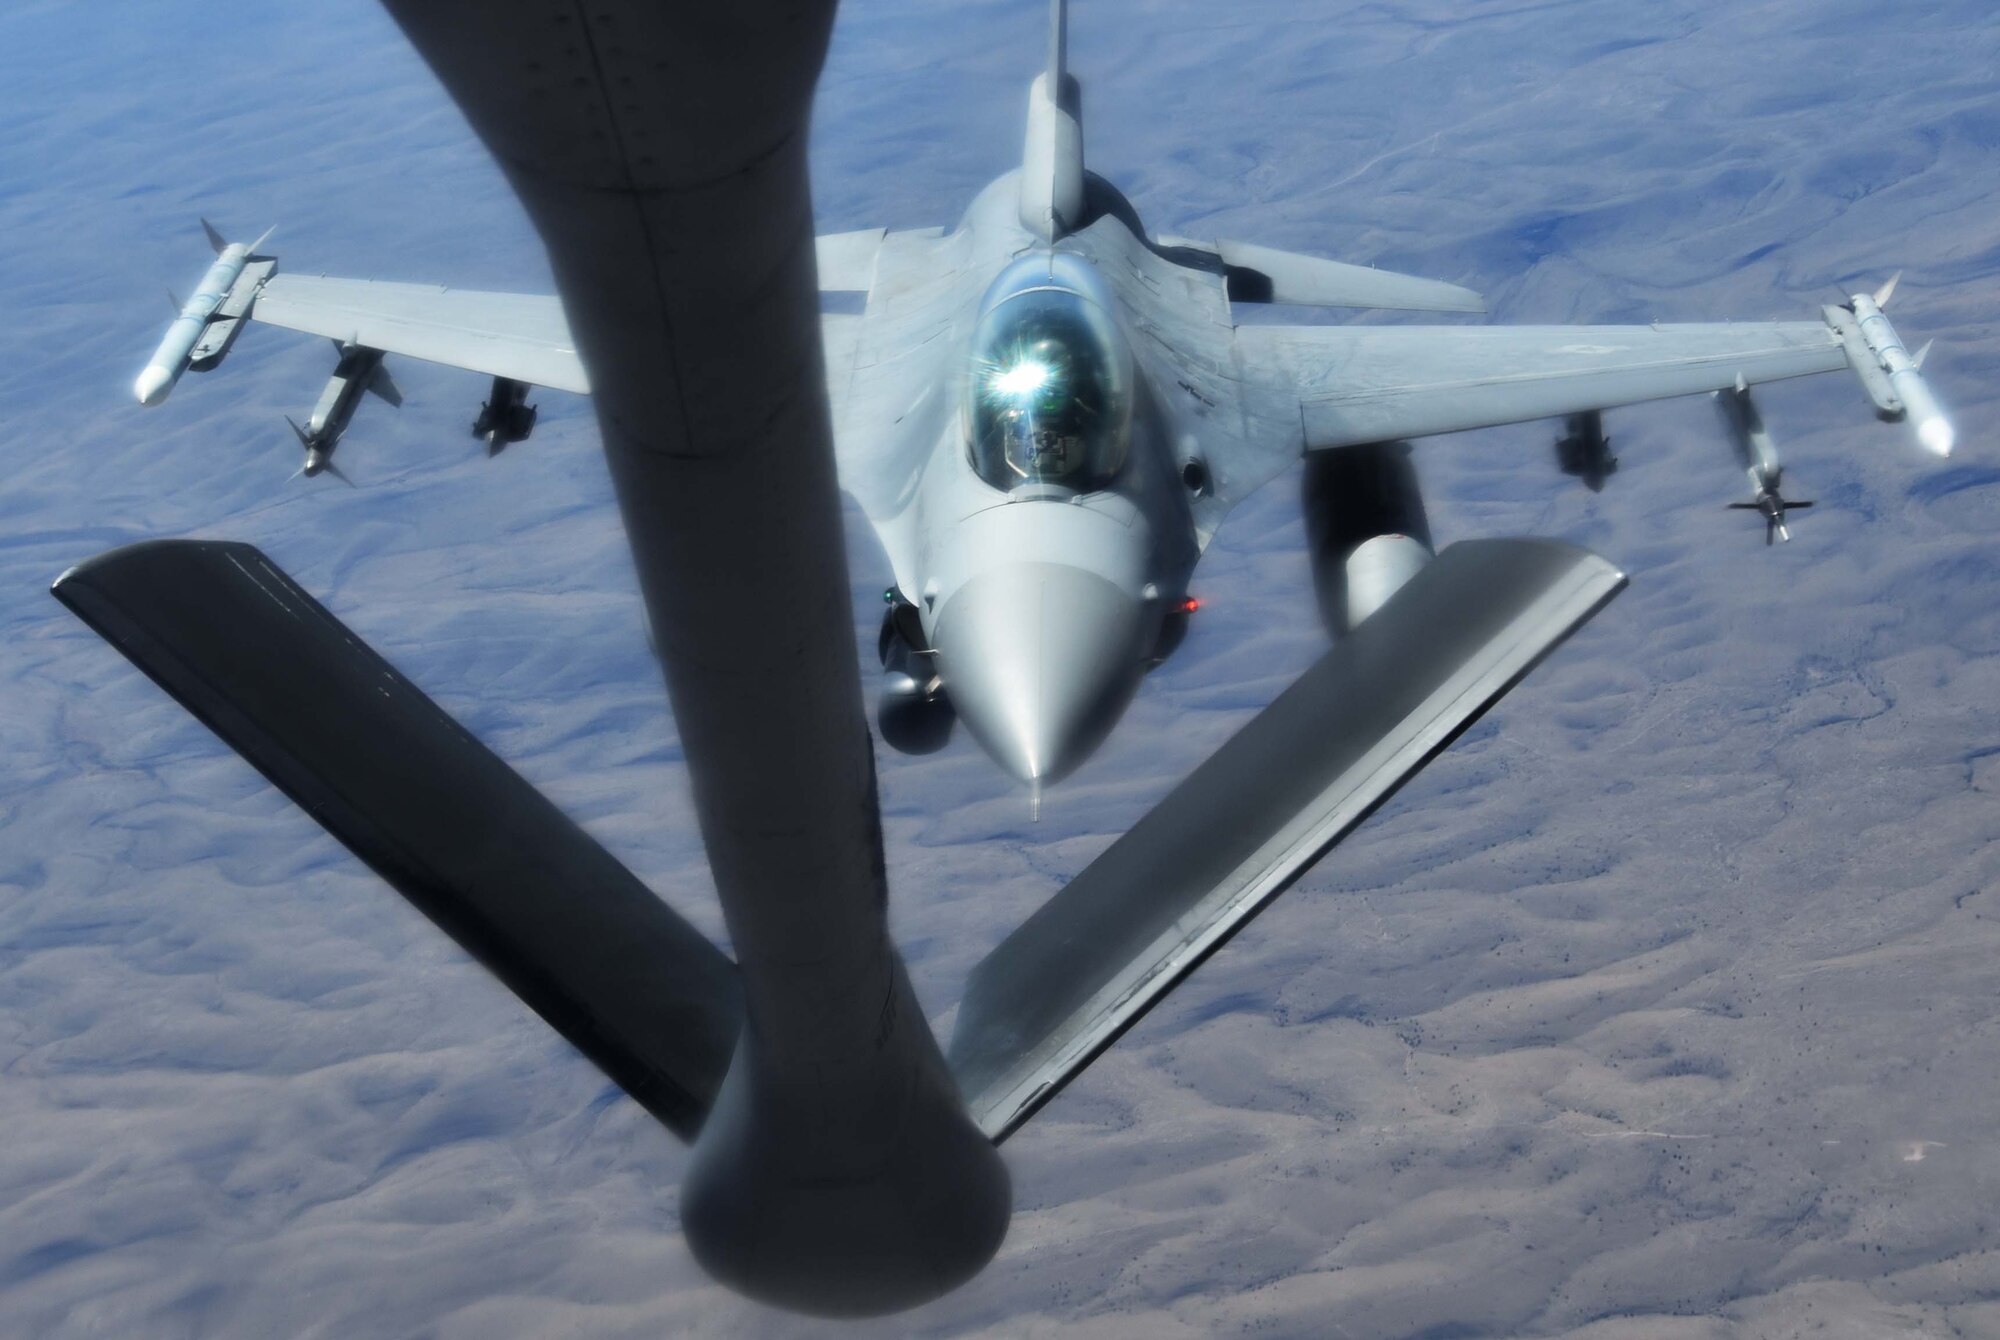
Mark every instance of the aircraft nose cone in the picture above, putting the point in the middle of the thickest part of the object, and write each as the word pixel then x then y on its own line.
pixel 1040 660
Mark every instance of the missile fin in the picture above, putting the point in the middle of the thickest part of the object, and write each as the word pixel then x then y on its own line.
pixel 1922 354
pixel 262 238
pixel 1888 290
pixel 383 385
pixel 215 239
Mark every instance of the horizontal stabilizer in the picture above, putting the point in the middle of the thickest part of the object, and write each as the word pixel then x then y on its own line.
pixel 1260 812
pixel 1265 274
pixel 471 844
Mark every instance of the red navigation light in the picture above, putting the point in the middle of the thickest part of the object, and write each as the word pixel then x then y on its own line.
pixel 1189 604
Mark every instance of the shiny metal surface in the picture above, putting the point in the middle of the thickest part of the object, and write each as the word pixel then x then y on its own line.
pixel 1041 658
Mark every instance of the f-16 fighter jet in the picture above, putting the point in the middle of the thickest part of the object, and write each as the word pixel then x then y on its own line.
pixel 1044 412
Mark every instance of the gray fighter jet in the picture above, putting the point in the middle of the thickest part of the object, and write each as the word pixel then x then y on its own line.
pixel 1045 413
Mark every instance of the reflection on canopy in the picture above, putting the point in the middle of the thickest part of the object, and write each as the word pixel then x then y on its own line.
pixel 1050 397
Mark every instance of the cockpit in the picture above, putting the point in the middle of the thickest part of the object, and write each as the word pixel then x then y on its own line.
pixel 1050 395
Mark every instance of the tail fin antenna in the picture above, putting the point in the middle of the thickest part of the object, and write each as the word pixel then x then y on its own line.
pixel 1052 162
pixel 1058 43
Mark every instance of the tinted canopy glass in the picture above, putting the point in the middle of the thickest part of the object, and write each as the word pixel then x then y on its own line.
pixel 1051 391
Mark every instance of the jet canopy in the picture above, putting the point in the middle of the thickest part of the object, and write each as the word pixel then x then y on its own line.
pixel 1050 396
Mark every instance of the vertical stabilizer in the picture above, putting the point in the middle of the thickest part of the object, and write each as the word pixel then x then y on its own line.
pixel 1058 67
pixel 1052 162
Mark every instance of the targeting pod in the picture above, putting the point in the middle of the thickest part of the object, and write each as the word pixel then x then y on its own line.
pixel 1892 378
pixel 208 321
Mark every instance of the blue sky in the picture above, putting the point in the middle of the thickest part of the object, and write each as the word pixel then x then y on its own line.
pixel 1630 1017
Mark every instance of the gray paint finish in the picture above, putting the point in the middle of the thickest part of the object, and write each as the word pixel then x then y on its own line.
pixel 523 336
pixel 1357 385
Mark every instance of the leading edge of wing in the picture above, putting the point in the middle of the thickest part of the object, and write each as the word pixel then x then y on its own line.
pixel 1376 384
pixel 1260 812
pixel 522 336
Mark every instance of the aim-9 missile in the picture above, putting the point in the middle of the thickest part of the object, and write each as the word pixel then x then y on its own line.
pixel 1759 457
pixel 218 290
pixel 360 369
pixel 1878 355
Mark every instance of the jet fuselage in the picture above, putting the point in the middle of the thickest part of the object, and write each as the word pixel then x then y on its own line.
pixel 1054 538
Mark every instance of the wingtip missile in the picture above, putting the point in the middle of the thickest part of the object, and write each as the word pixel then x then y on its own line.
pixel 153 383
pixel 1934 430
pixel 1937 435
pixel 1921 410
pixel 183 341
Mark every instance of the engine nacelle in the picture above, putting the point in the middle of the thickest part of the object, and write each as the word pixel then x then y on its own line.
pixel 1366 529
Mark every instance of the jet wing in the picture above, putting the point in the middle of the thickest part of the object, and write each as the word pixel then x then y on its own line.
pixel 1359 384
pixel 522 336
pixel 1260 812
